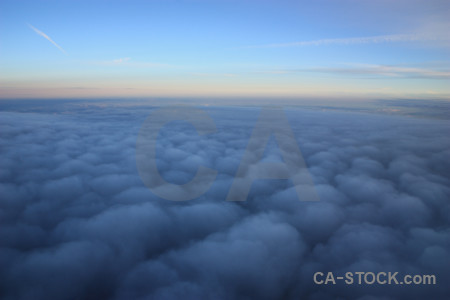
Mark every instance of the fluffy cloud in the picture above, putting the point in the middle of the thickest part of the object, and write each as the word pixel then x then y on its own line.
pixel 76 221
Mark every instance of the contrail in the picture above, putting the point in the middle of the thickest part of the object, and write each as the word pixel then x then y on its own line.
pixel 47 38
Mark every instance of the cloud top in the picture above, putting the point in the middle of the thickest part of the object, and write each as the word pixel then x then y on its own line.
pixel 77 222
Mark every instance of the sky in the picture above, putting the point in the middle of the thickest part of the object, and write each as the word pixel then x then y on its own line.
pixel 322 49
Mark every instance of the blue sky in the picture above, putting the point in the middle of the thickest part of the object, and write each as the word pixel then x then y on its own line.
pixel 351 49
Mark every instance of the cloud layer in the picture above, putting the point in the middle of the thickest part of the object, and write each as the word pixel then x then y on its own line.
pixel 77 221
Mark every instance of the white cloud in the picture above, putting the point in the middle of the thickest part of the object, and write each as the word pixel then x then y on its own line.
pixel 356 40
pixel 47 38
pixel 121 60
pixel 126 61
pixel 371 70
pixel 200 74
pixel 386 70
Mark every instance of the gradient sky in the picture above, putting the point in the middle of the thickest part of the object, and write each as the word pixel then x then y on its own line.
pixel 351 49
